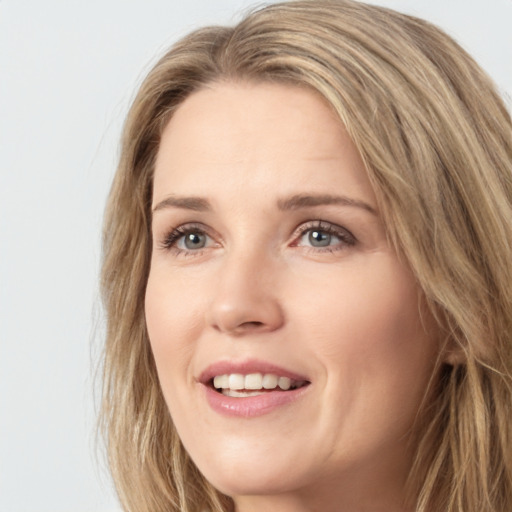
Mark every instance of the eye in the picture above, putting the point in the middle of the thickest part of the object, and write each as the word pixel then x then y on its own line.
pixel 192 241
pixel 188 238
pixel 324 235
pixel 319 238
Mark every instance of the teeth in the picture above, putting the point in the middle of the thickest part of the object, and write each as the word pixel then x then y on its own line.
pixel 270 381
pixel 253 381
pixel 240 394
pixel 235 382
pixel 221 381
pixel 285 383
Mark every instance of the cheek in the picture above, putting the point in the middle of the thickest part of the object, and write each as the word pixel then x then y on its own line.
pixel 172 324
pixel 365 325
pixel 378 358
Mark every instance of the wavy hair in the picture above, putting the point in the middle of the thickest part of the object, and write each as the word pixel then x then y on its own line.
pixel 436 139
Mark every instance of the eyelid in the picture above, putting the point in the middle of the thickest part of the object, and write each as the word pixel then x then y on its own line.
pixel 346 237
pixel 172 236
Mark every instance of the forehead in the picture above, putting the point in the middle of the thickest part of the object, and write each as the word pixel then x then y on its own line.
pixel 255 134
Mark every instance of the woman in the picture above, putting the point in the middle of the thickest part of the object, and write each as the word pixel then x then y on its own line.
pixel 307 272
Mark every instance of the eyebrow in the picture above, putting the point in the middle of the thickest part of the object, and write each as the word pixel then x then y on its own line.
pixel 197 204
pixel 295 202
pixel 299 201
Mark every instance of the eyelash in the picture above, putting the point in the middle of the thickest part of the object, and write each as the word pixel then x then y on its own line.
pixel 170 241
pixel 346 238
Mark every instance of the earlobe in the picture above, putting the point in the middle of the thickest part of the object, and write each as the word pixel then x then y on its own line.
pixel 451 351
pixel 454 354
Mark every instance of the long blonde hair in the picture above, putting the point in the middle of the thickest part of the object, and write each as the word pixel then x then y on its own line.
pixel 437 142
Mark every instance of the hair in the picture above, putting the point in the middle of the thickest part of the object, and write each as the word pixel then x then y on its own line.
pixel 436 139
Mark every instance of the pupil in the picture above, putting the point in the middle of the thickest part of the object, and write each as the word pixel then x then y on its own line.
pixel 195 241
pixel 319 239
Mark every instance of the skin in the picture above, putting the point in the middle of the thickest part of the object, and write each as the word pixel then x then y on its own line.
pixel 346 316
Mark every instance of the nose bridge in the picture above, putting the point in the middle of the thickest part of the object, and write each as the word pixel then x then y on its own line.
pixel 246 297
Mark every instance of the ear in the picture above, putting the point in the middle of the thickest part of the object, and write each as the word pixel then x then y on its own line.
pixel 452 351
pixel 453 354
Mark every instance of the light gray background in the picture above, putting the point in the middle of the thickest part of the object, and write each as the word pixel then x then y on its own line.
pixel 68 70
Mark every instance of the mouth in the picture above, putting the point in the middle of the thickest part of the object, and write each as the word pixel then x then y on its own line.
pixel 240 385
pixel 251 388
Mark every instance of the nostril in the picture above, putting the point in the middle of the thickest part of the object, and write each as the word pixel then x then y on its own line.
pixel 251 325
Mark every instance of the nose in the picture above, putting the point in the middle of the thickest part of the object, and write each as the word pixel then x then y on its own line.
pixel 246 299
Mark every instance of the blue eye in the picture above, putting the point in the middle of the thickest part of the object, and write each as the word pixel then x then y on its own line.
pixel 319 238
pixel 187 238
pixel 192 241
pixel 324 235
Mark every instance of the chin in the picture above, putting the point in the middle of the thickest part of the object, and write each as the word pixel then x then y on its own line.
pixel 249 484
pixel 246 477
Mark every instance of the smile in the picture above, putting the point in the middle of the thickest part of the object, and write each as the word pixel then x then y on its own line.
pixel 253 384
pixel 250 388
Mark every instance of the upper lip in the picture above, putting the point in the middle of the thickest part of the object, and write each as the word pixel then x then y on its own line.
pixel 246 367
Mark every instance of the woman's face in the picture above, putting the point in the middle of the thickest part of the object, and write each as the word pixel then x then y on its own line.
pixel 271 270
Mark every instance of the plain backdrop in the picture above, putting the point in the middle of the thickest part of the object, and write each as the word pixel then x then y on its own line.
pixel 68 70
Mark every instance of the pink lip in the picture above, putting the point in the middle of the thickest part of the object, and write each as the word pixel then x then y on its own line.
pixel 250 406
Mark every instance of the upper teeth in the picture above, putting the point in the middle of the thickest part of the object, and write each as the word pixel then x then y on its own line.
pixel 253 381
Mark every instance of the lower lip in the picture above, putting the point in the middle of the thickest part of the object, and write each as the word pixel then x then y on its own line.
pixel 251 406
